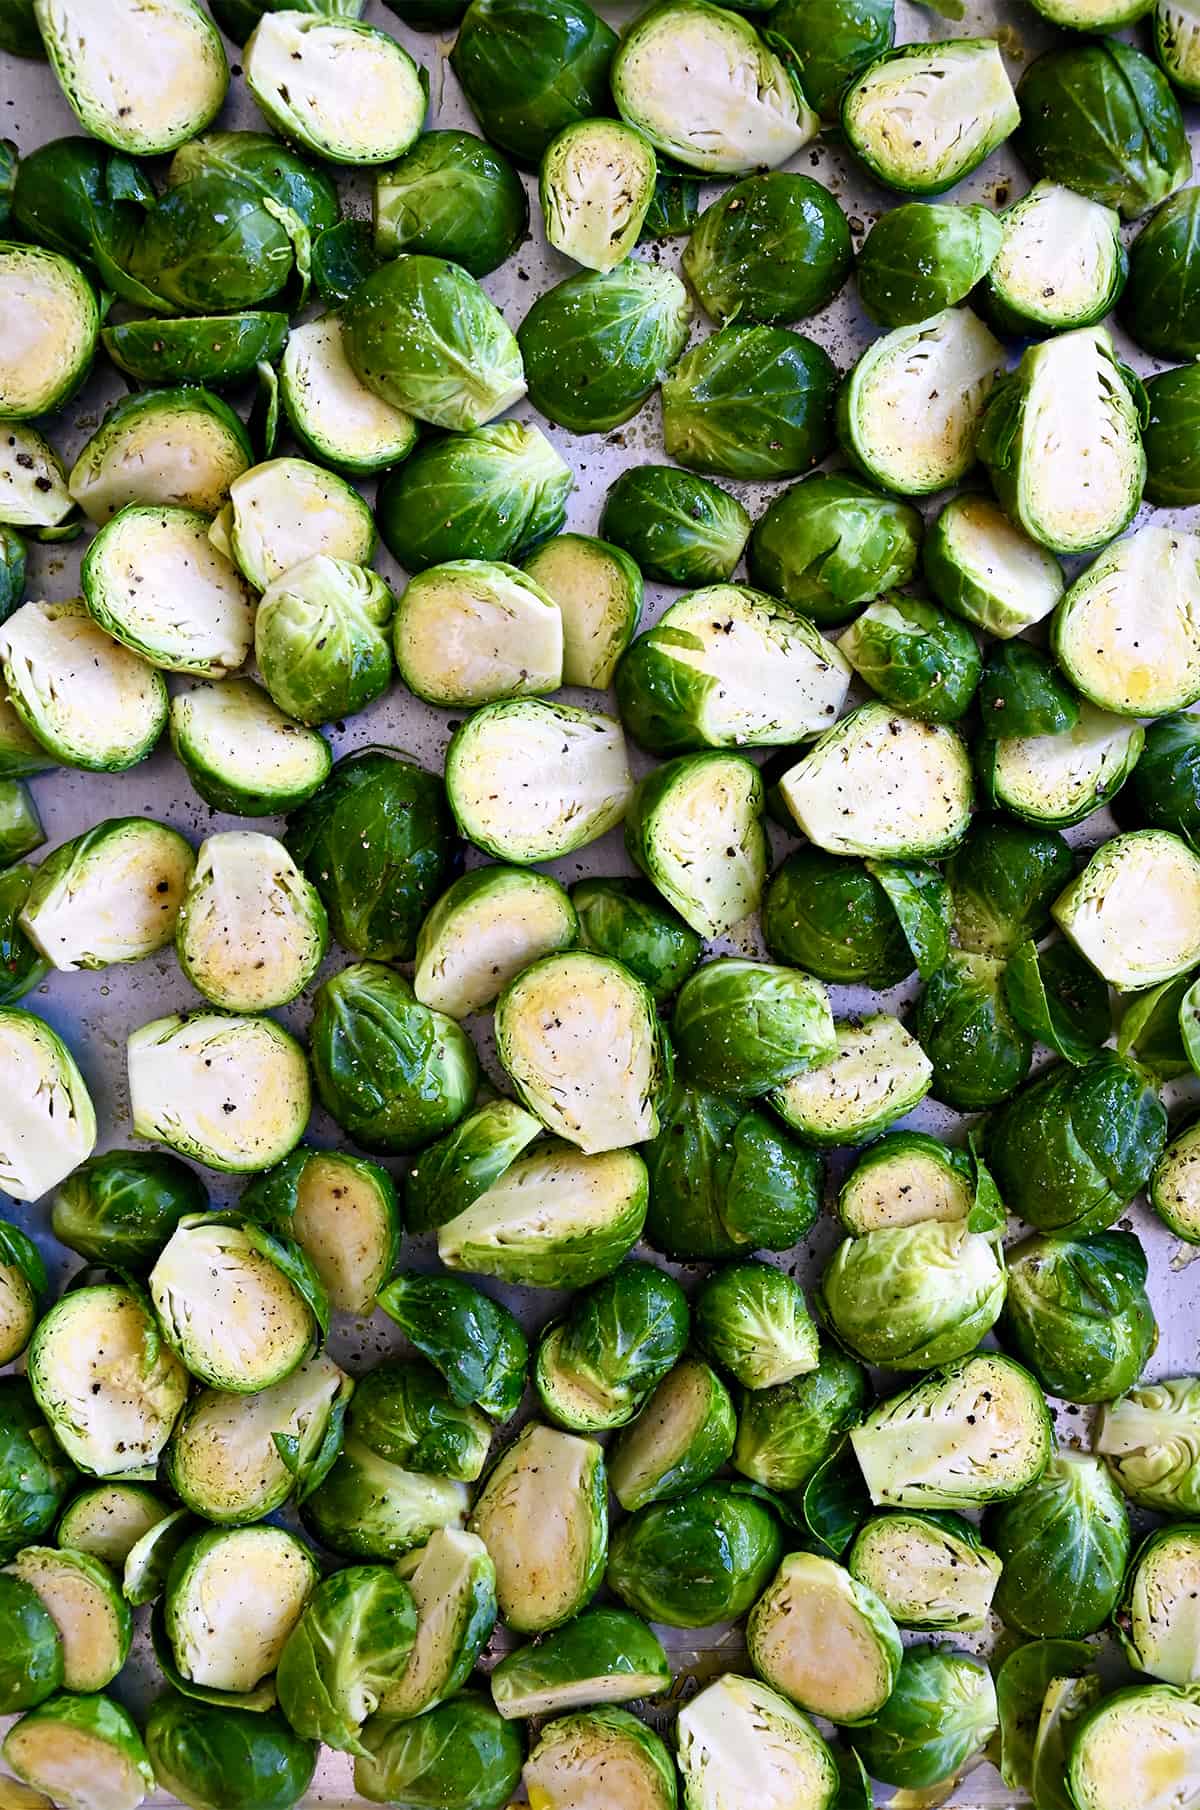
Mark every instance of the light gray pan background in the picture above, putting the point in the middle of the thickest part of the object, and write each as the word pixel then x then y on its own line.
pixel 96 1012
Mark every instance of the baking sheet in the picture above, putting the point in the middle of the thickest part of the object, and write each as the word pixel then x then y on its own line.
pixel 96 1012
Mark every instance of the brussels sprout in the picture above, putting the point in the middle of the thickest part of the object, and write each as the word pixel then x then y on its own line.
pixel 1092 15
pixel 87 700
pixel 332 414
pixel 86 1605
pixel 364 99
pixel 674 206
pixel 1022 693
pixel 403 1412
pixel 451 196
pixel 1168 437
pixel 785 1433
pixel 624 919
pixel 103 92
pixel 32 1665
pixel 369 1508
pixel 529 780
pixel 1154 1023
pixel 603 1656
pixel 878 1073
pixel 919 259
pixel 342 1212
pixel 831 543
pixel 924 116
pixel 596 345
pixel 492 495
pixel 726 1180
pixel 596 183
pixel 987 571
pixel 1064 1546
pixel 1123 633
pixel 606 1751
pixel 181 259
pixel 47 1120
pixel 421 334
pixel 555 1219
pixel 598 591
pixel 320 639
pixel 1061 263
pixel 35 1474
pixel 1108 912
pixel 43 365
pixel 453 1584
pixel 259 162
pixel 168 447
pixel 530 67
pixel 1126 146
pixel 21 753
pixel 753 1321
pixel 108 1520
pixel 110 895
pixel 460 1756
pixel 208 1756
pixel 825 1640
pixel 234 1595
pixel 1058 780
pixel 750 402
pixel 85 1751
pixel 914 657
pixel 33 485
pixel 911 1297
pixel 22 1281
pixel 284 511
pixel 452 1173
pixel 220 349
pixel 351 1643
pixel 1040 1678
pixel 941 1715
pixel 679 528
pixel 835 796
pixel 1173 1191
pixel 746 1027
pixel 905 1179
pixel 738 1737
pixel 703 1557
pixel 1161 304
pixel 241 753
pixel 1136 1740
pixel 985 1437
pixel 681 1438
pixel 711 887
pixel 12 571
pixel 119 1209
pixel 237 18
pixel 929 1571
pixel 771 249
pixel 597 1366
pixel 1148 1438
pixel 189 1075
pixel 1155 1622
pixel 543 1515
pixel 472 1340
pixel 1078 1315
pixel 19 34
pixel 708 92
pixel 832 41
pixel 469 632
pixel 979 1050
pixel 1166 780
pixel 1176 46
pixel 21 829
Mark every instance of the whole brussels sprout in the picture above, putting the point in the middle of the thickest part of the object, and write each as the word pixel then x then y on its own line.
pixel 785 1433
pixel 1170 438
pixel 923 257
pixel 1004 877
pixel 472 1340
pixel 915 657
pixel 1077 1313
pixel 913 1297
pixel 352 1641
pixel 1064 1544
pixel 750 402
pixel 964 1023
pixel 402 1410
pixel 754 1322
pixel 462 1755
pixel 451 196
pixel 832 42
pixel 771 249
pixel 209 1756
pixel 618 1341
pixel 1166 780
pixel 627 920
pixel 530 67
pixel 701 1558
pixel 832 543
pixel 829 914
pixel 1161 303
pixel 35 1473
pixel 120 1209
pixel 393 1074
pixel 679 528
pixel 493 494
pixel 941 1714
pixel 745 1027
pixel 320 640
pixel 596 345
pixel 378 843
pixel 1022 692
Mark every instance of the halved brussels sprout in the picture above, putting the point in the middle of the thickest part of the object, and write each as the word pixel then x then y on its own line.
pixel 33 485
pixel 403 1412
pixel 939 1718
pixel 679 528
pixel 111 895
pixel 555 1219
pixel 835 795
pixel 341 1210
pixel 701 1558
pixel 604 1754
pixel 47 1120
pixel 983 568
pixel 353 1640
pixel 787 1432
pixel 206 1755
pixel 453 1584
pixel 1092 15
pixel 911 1297
pixel 753 1320
pixel 597 1366
pixel 491 494
pixel 878 1073
pixel 284 511
pixel 1156 1621
pixel 334 416
pixel 1139 1740
pixel 453 1172
pixel 20 752
pixel 1174 1193
pixel 596 345
pixel 825 1640
pixel 1064 1544
pixel 191 1076
pixel 422 334
pixel 241 753
pixel 1148 1437
pixel 91 1615
pixel 909 413
pixel 235 1458
pixel 831 543
pixel 23 1281
pixel 929 1571
pixel 469 632
pixel 597 179
pixel 543 1515
pixel 102 1378
pixel 454 197
pixel 108 1520
pixel 357 98
pixel 1125 631
pixel 603 1656
pixel 104 91
pixel 181 447
pixel 219 349
pixel 695 829
pixel 750 402
pixel 88 701
pixel 907 1178
pixel 529 780
pixel 530 67
pixel 1060 779
pixel 472 1340
pixel 708 92
pixel 152 581
pixel 773 249
pixel 369 1508
pixel 1126 145
pixel 978 1431
pixel 979 1049
pixel 81 1752
pixel 1061 263
pixel 35 1474
pixel 739 1739
pixel 1177 44
pixel 461 1755
pixel 923 117
pixel 914 658
pixel 682 1436
pixel 728 667
pixel 626 920
pixel 54 320
pixel 32 1664
pixel 919 259
pixel 598 591
pixel 233 1596
pixel 1112 912
pixel 1077 1312
pixel 252 931
pixel 745 1027
pixel 321 639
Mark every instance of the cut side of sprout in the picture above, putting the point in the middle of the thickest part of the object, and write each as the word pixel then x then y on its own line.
pixel 742 1743
pixel 108 1521
pixel 252 930
pixel 597 182
pixel 183 448
pixel 147 105
pixel 1177 41
pixel 288 509
pixel 1134 911
pixel 47 1120
pixel 879 1073
pixel 982 567
pixel 233 1092
pixel 1127 633
pixel 881 784
pixel 824 1640
pixel 345 1222
pixel 111 895
pixel 242 753
pixel 335 416
pixel 51 320
pixel 33 484
pixel 89 701
pixel 542 1515
pixel 234 1598
pixel 336 87
pixel 233 1316
pixel 453 1583
pixel 696 832
pixel 491 924
pixel 598 590
pixel 91 1615
pixel 923 117
pixel 469 632
pixel 1061 263
pixel 1061 779
pixel 153 582
pixel 84 1753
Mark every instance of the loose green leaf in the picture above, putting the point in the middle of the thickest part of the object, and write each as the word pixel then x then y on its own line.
pixel 1058 998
